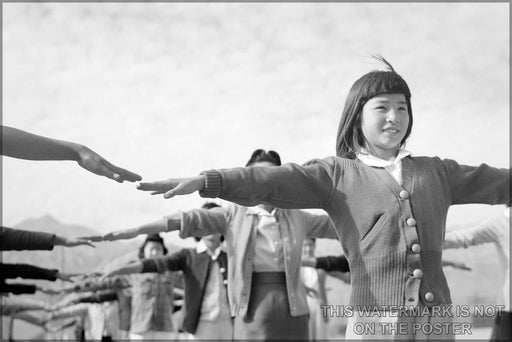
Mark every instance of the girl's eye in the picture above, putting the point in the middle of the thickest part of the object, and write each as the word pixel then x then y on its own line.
pixel 403 109
pixel 380 108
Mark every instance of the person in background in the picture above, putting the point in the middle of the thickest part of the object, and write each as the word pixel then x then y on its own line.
pixel 206 310
pixel 264 248
pixel 494 230
pixel 314 282
pixel 152 297
pixel 100 314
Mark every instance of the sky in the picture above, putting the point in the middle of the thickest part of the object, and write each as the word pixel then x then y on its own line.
pixel 169 90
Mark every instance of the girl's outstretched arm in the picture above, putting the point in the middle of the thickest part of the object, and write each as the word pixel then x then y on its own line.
pixel 174 186
pixel 290 186
pixel 20 144
pixel 19 239
pixel 149 228
pixel 134 267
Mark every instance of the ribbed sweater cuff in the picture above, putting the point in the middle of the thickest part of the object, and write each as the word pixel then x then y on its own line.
pixel 212 184
pixel 149 266
pixel 173 222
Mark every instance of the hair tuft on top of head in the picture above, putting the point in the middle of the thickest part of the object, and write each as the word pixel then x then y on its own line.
pixel 381 59
pixel 261 155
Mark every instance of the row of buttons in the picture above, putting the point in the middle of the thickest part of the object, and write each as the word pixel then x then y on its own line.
pixel 415 248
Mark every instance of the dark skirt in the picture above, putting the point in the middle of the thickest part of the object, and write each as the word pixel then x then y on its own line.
pixel 268 315
pixel 501 328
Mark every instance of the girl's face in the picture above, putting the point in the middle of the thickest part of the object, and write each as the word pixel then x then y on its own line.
pixel 384 123
pixel 212 241
pixel 153 249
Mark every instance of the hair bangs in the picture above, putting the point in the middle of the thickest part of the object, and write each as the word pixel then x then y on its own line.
pixel 382 82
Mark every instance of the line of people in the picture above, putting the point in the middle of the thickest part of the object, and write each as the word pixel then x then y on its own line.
pixel 20 144
pixel 386 207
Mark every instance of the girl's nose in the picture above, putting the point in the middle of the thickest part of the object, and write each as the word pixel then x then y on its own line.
pixel 392 116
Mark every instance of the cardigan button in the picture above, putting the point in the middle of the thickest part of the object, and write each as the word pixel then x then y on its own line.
pixel 416 248
pixel 225 282
pixel 411 222
pixel 403 195
pixel 429 296
pixel 417 273
pixel 222 270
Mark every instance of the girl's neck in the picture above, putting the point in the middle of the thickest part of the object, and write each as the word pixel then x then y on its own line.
pixel 388 155
pixel 267 207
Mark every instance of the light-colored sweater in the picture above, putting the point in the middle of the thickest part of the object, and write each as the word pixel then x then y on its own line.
pixel 392 235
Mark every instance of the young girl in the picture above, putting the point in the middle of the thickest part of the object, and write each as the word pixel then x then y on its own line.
pixel 152 297
pixel 389 208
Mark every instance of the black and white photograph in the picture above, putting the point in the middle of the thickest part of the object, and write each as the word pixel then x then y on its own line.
pixel 295 171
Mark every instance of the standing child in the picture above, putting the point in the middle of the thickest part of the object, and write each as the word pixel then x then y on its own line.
pixel 389 207
pixel 152 297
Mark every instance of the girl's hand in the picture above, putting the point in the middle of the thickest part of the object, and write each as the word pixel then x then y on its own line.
pixel 119 235
pixel 174 186
pixel 91 238
pixel 63 241
pixel 47 290
pixel 107 237
pixel 66 276
pixel 95 163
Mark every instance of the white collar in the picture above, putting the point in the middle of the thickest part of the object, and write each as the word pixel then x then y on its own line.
pixel 259 210
pixel 371 160
pixel 201 247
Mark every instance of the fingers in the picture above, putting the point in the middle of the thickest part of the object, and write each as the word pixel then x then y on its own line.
pixel 157 186
pixel 92 238
pixel 88 243
pixel 64 276
pixel 103 170
pixel 79 242
pixel 121 174
pixel 178 190
pixel 170 194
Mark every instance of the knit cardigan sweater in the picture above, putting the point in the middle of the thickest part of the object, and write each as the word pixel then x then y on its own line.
pixel 391 234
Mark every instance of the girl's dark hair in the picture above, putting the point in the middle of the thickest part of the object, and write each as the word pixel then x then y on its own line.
pixel 154 238
pixel 350 137
pixel 264 156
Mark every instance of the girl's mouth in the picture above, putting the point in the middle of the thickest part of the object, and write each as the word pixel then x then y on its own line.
pixel 391 130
